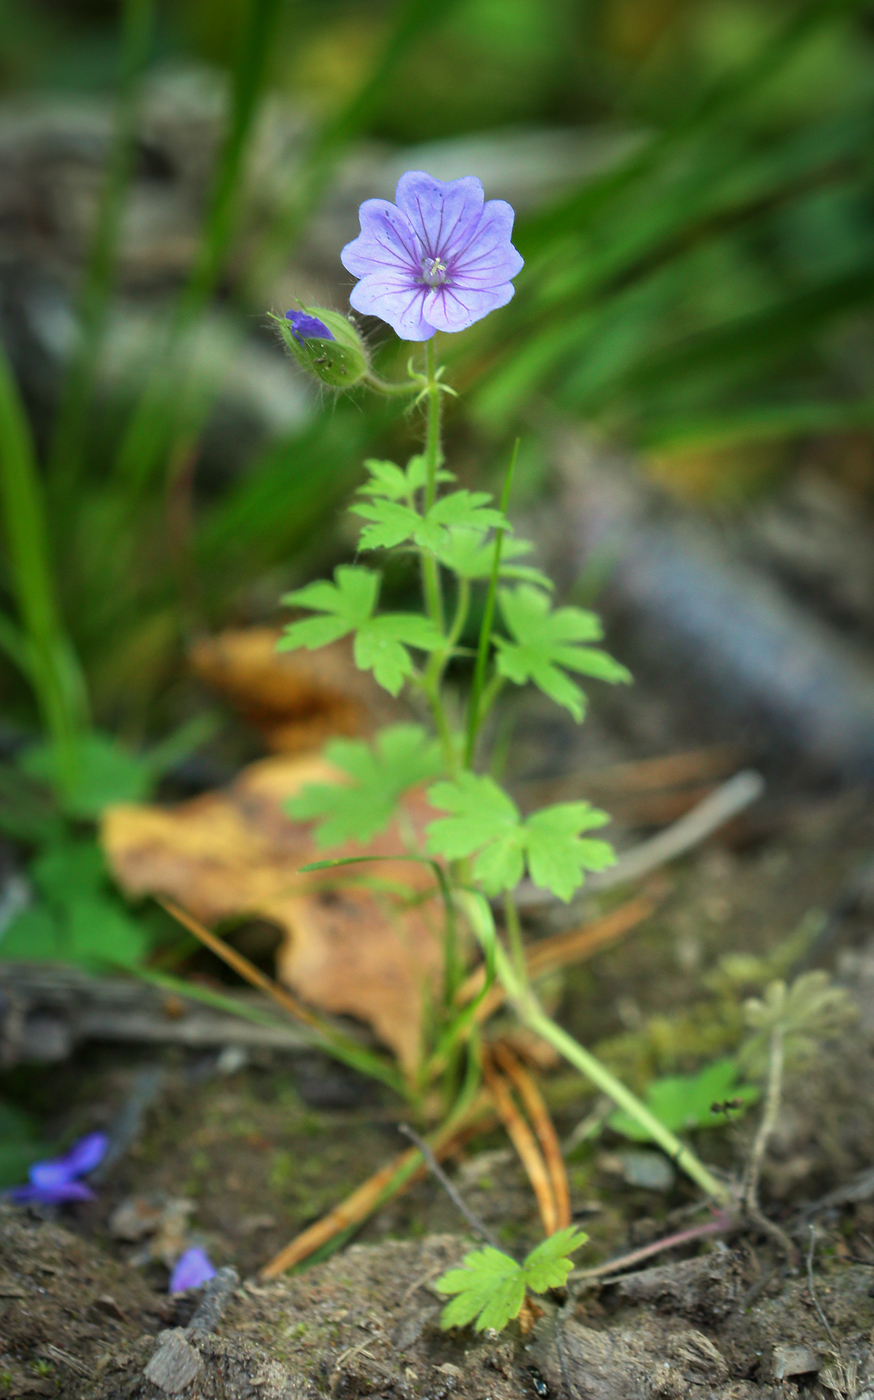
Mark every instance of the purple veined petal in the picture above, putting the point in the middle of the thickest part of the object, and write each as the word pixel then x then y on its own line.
pixel 444 213
pixel 305 327
pixel 396 300
pixel 455 308
pixel 387 242
pixel 489 258
pixel 192 1269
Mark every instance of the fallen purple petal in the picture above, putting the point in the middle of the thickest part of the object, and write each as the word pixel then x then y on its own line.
pixel 439 259
pixel 191 1270
pixel 306 327
pixel 54 1182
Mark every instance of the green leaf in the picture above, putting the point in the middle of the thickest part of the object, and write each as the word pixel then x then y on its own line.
pixel 683 1101
pixel 35 935
pixel 106 772
pixel 393 523
pixel 102 933
pixel 556 855
pixel 489 1289
pixel 548 1265
pixel 401 757
pixel 381 646
pixel 348 604
pixel 394 484
pixel 69 871
pixel 486 823
pixel 546 643
pixel 469 557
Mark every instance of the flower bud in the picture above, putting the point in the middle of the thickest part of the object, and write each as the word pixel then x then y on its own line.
pixel 326 344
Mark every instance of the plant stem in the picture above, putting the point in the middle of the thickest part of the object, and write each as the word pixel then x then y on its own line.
pixel 430 567
pixel 53 668
pixel 475 714
pixel 533 1016
pixel 387 386
pixel 514 936
pixel 68 438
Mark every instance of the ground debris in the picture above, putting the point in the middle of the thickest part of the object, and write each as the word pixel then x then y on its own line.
pixel 365 1324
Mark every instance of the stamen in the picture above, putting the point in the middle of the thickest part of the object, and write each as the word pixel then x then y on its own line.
pixel 434 271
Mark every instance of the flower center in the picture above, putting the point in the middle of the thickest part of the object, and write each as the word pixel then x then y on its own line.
pixel 434 271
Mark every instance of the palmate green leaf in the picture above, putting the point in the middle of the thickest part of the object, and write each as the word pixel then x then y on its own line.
pixel 347 606
pixel 544 644
pixel 683 1101
pixel 486 823
pixel 394 523
pixel 490 1287
pixel 548 1265
pixel 395 484
pixel 401 757
pixel 468 556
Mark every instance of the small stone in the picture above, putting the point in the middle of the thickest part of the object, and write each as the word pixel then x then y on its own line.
pixel 649 1170
pixel 174 1363
pixel 794 1361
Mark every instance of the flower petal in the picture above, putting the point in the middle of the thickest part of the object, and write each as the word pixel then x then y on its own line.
pixel 386 243
pixel 86 1154
pixel 454 308
pixel 193 1269
pixel 444 213
pixel 51 1195
pixel 305 327
pixel 488 258
pixel 397 300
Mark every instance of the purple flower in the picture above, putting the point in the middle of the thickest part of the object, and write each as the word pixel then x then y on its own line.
pixel 192 1270
pixel 53 1182
pixel 306 327
pixel 438 260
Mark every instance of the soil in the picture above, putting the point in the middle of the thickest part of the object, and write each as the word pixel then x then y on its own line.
pixel 77 1324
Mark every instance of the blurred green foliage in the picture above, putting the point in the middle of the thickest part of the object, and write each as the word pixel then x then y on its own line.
pixel 706 298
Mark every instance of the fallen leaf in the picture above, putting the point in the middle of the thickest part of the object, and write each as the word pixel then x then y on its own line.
pixel 298 699
pixel 347 948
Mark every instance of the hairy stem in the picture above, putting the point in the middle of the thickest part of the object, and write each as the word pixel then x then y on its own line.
pixel 430 567
pixel 476 710
pixel 773 1096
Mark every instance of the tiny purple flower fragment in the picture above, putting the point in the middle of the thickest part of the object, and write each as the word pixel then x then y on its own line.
pixel 437 260
pixel 306 327
pixel 192 1270
pixel 55 1182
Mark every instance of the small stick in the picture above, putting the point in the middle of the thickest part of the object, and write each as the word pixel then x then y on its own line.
pixel 457 1200
pixel 812 1290
pixel 216 1295
pixel 719 1225
pixel 543 1126
pixel 525 1144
